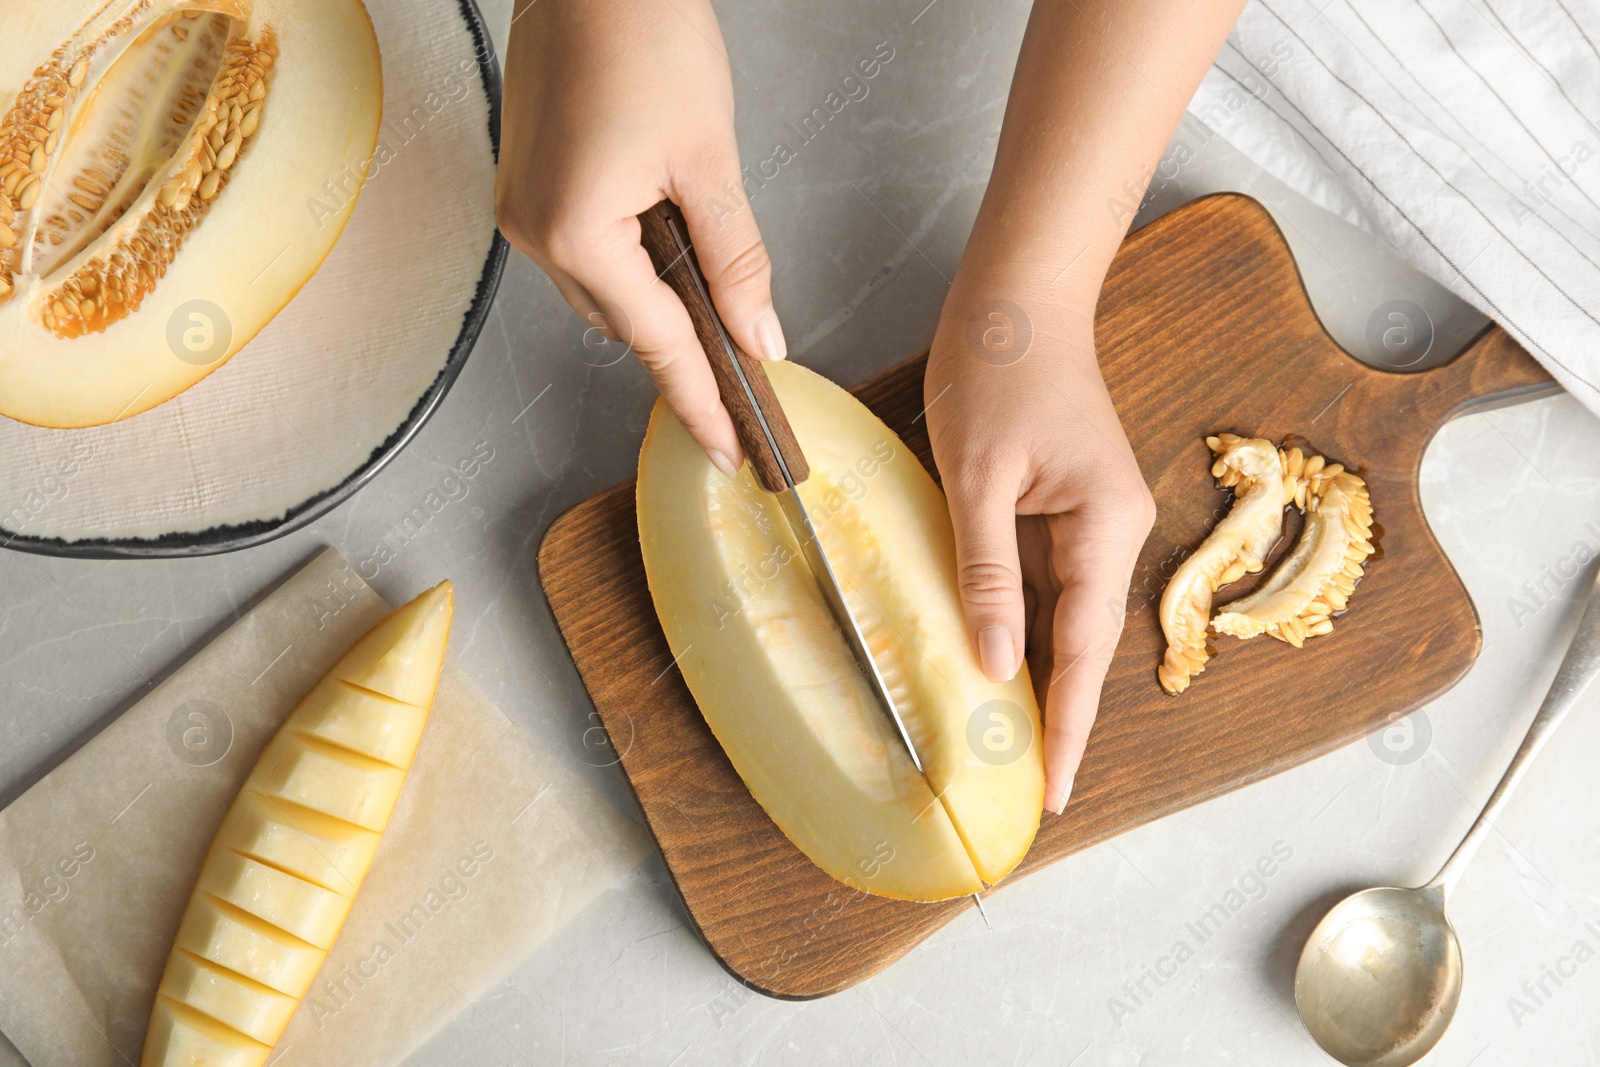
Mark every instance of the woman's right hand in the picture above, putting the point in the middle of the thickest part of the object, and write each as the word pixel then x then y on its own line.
pixel 611 106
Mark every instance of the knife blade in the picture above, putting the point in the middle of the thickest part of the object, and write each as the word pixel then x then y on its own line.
pixel 769 442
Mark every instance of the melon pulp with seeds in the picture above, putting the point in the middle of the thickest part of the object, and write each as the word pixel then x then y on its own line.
pixel 157 158
pixel 777 683
pixel 283 871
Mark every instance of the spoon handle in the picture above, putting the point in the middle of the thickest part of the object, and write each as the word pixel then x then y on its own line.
pixel 1578 669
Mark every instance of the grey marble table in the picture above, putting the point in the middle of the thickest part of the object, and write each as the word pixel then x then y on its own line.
pixel 1083 966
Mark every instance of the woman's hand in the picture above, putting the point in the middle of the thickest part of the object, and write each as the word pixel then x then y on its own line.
pixel 1049 507
pixel 1048 504
pixel 610 106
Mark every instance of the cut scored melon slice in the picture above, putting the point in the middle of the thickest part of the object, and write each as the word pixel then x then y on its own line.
pixel 192 1037
pixel 285 866
pixel 156 169
pixel 399 659
pixel 321 849
pixel 257 1011
pixel 374 725
pixel 287 901
pixel 314 774
pixel 229 936
pixel 776 681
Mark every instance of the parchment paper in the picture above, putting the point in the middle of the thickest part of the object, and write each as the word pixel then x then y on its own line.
pixel 492 848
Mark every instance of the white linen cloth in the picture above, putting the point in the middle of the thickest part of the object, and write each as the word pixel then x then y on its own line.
pixel 1463 132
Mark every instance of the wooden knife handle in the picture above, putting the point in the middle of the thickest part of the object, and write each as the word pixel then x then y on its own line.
pixel 676 265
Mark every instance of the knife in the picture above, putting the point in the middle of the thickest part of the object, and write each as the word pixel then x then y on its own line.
pixel 768 440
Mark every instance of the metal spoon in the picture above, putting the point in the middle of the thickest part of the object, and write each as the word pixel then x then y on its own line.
pixel 1380 976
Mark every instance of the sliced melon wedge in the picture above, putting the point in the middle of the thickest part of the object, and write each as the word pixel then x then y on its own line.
pixel 256 1011
pixel 191 1037
pixel 283 871
pixel 777 684
pixel 158 167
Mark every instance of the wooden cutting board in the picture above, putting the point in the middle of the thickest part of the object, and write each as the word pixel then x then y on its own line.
pixel 1203 326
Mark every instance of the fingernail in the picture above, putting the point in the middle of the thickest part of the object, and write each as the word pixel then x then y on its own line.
pixel 722 462
pixel 997 653
pixel 1060 805
pixel 770 336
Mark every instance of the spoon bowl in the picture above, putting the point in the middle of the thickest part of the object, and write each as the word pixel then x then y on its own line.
pixel 1380 977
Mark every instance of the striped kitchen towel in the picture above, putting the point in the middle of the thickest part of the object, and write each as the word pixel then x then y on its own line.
pixel 1463 132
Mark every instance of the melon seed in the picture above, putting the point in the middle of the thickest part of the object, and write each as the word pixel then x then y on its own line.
pixel 5 286
pixel 218 120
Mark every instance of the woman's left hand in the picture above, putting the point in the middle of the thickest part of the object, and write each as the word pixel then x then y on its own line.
pixel 1049 507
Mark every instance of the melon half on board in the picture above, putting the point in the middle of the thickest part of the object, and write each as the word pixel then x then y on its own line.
pixel 283 871
pixel 776 681
pixel 156 159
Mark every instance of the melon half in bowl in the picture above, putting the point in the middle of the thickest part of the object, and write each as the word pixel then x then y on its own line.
pixel 149 226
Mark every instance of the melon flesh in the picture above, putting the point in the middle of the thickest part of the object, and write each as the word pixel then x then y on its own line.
pixel 158 159
pixel 776 681
pixel 283 871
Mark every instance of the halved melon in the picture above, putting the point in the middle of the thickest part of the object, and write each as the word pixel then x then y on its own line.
pixel 283 871
pixel 777 684
pixel 171 173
